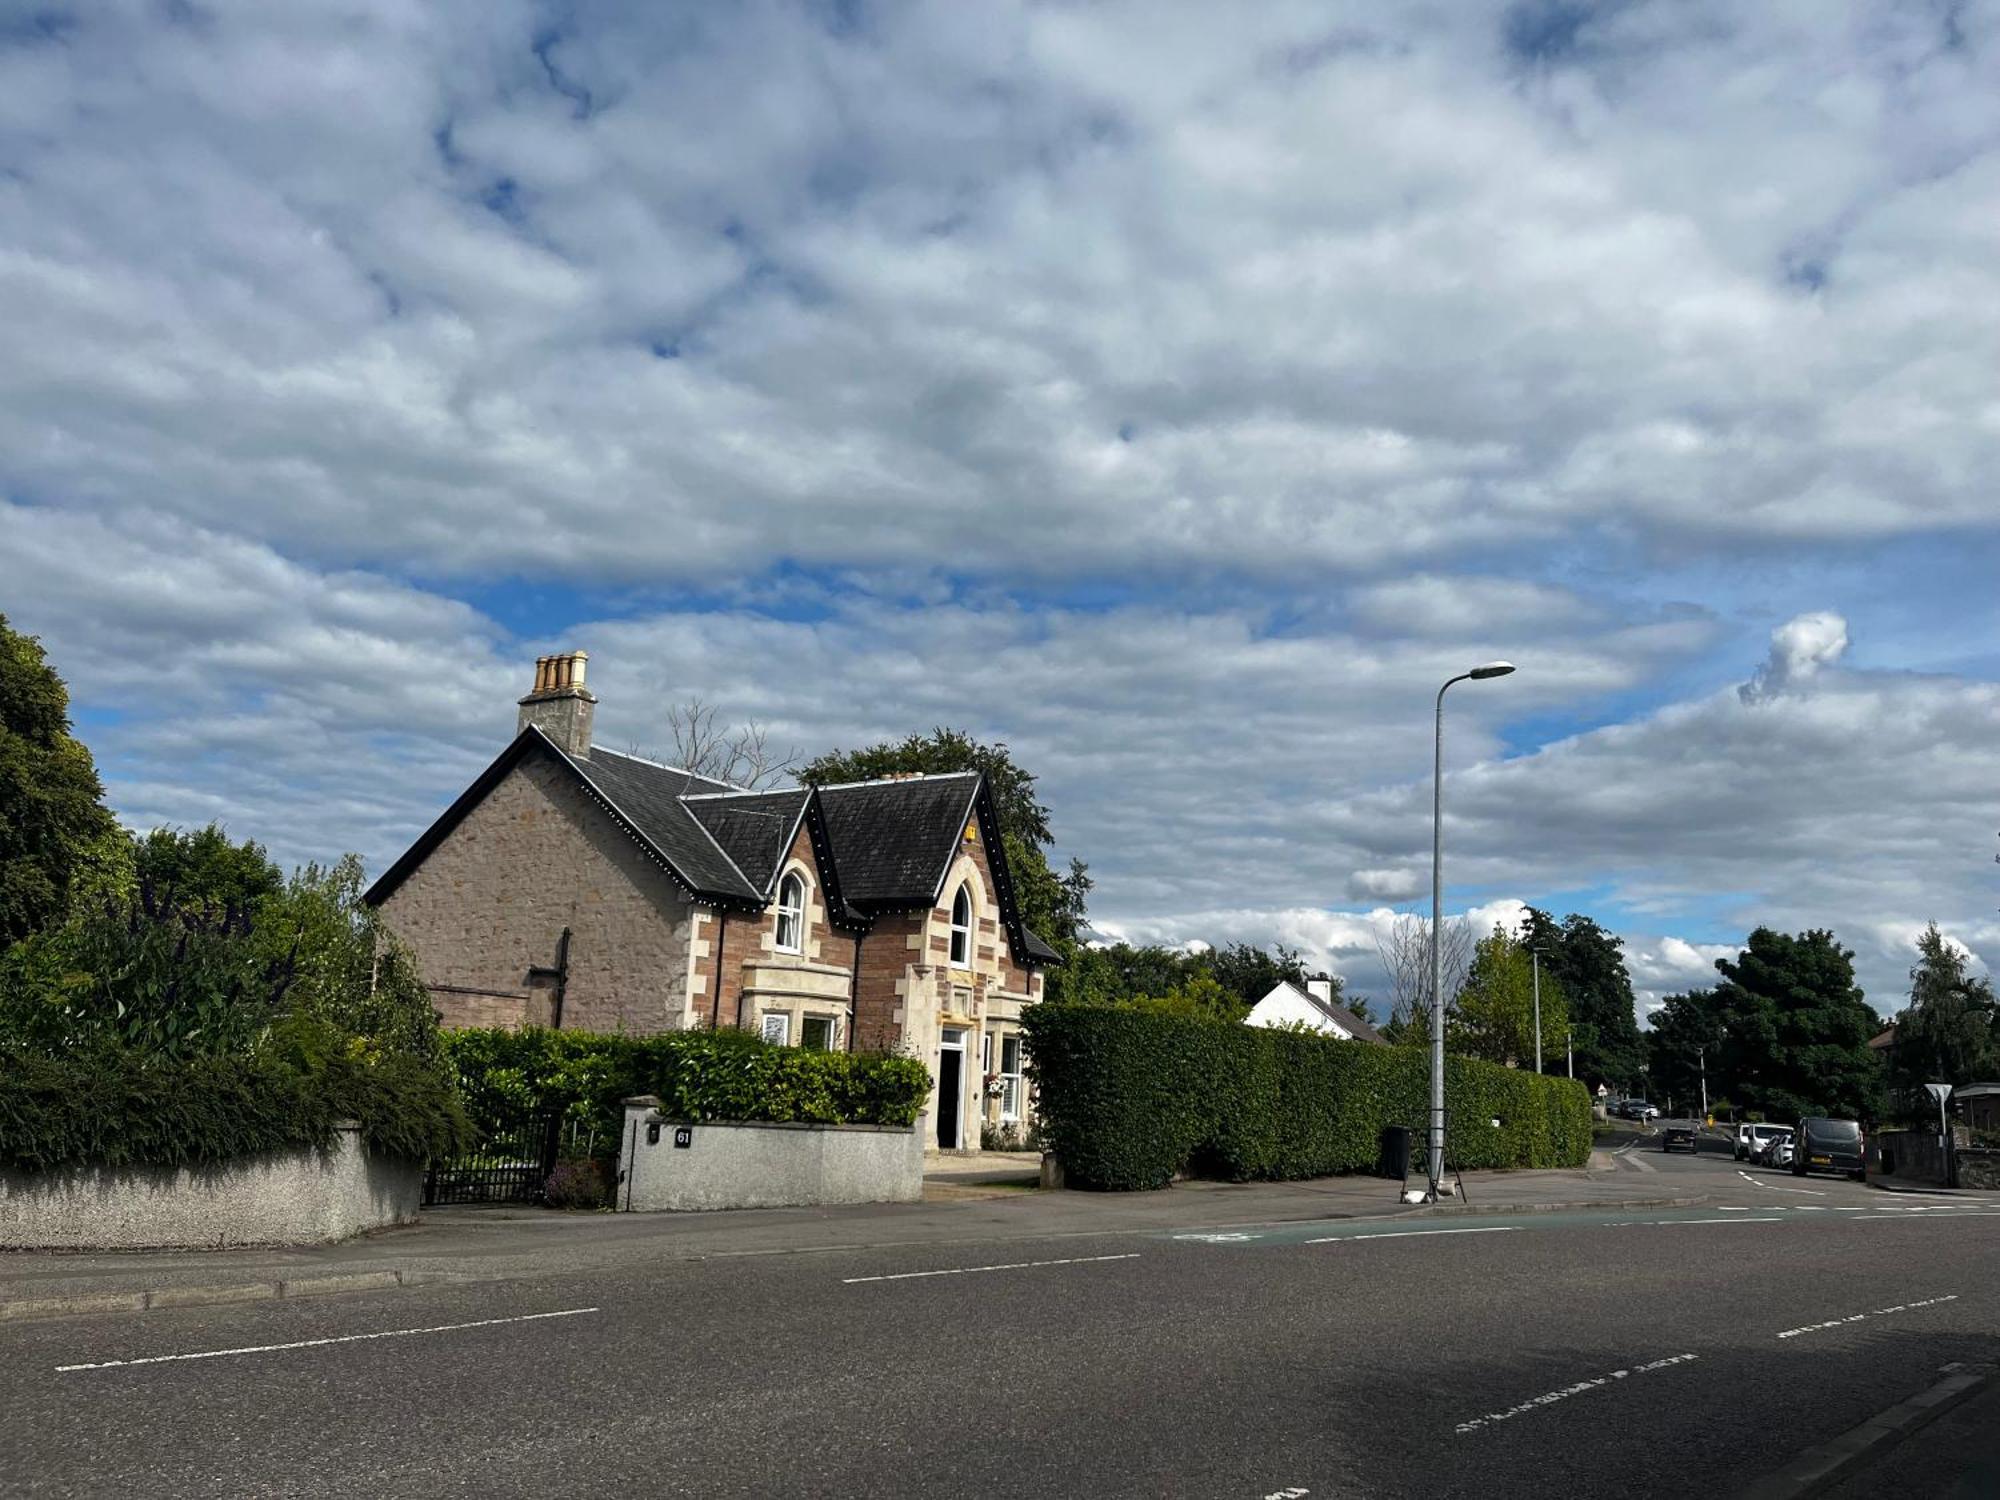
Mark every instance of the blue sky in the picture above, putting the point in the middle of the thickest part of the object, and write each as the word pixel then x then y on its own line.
pixel 1177 396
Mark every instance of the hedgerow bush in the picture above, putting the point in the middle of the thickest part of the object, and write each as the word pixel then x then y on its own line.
pixel 698 1075
pixel 1127 1099
pixel 118 1107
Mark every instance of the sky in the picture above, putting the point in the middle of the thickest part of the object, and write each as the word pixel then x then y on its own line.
pixel 1178 393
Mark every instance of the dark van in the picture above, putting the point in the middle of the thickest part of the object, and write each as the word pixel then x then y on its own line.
pixel 1829 1146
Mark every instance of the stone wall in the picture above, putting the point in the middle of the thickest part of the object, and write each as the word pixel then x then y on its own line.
pixel 291 1198
pixel 491 901
pixel 1907 1156
pixel 753 1165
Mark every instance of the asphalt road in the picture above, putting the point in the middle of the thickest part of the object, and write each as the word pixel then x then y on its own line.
pixel 1648 1352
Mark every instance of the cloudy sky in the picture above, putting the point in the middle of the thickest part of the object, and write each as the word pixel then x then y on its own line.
pixel 1176 392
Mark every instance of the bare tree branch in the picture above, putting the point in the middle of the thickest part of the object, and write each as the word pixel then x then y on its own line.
pixel 1405 950
pixel 741 755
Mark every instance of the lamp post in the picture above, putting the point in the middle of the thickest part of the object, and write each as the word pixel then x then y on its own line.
pixel 1701 1056
pixel 1535 959
pixel 1477 674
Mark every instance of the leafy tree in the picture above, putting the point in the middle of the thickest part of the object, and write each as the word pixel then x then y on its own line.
pixel 53 823
pixel 1687 1034
pixel 1946 1034
pixel 1588 966
pixel 1494 1015
pixel 1250 973
pixel 205 868
pixel 1052 905
pixel 1796 1027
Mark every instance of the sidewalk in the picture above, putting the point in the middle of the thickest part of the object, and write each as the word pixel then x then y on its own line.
pixel 503 1243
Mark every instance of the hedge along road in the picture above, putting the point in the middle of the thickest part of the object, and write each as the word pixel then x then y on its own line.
pixel 1541 1357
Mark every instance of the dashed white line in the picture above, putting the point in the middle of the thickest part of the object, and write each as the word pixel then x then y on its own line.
pixel 345 1338
pixel 1012 1265
pixel 1581 1387
pixel 1410 1234
pixel 1772 1187
pixel 1862 1317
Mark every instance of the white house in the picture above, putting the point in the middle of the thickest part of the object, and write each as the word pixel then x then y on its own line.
pixel 1314 1005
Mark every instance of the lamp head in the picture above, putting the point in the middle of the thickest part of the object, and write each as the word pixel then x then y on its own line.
pixel 1491 669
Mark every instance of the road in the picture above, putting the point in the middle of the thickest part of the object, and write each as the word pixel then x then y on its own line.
pixel 1660 1352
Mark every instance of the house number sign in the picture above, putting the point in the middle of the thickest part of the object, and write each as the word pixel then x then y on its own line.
pixel 683 1137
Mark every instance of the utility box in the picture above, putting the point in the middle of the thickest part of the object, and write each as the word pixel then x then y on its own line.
pixel 1396 1151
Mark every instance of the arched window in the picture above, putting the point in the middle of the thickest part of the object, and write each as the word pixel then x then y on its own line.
pixel 961 928
pixel 791 914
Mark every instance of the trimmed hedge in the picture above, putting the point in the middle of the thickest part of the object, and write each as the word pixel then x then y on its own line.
pixel 698 1075
pixel 1129 1098
pixel 116 1108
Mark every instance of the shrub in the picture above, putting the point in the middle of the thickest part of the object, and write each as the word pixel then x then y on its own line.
pixel 1128 1099
pixel 576 1183
pixel 118 1107
pixel 698 1075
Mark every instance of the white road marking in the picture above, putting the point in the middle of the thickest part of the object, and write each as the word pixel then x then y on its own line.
pixel 1731 1209
pixel 1758 1219
pixel 1408 1234
pixel 1219 1239
pixel 1774 1188
pixel 1582 1386
pixel 1014 1265
pixel 1642 1164
pixel 345 1338
pixel 1862 1317
pixel 1296 1492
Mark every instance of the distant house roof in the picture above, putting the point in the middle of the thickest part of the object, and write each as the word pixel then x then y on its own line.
pixel 1286 996
pixel 1884 1040
pixel 881 845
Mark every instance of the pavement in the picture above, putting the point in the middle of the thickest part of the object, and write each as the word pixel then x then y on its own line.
pixel 1211 1340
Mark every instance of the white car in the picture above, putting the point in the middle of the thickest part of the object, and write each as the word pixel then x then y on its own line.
pixel 1752 1139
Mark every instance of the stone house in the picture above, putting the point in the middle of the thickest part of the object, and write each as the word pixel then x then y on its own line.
pixel 572 886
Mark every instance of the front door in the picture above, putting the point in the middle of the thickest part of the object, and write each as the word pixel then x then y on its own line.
pixel 951 1088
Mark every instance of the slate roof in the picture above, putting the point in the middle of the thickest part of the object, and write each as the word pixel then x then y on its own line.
pixel 893 840
pixel 1346 1020
pixel 753 828
pixel 882 845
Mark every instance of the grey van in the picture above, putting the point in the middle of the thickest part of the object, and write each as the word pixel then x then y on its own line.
pixel 1824 1145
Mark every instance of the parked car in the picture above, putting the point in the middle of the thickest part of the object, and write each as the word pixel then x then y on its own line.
pixel 1774 1146
pixel 1639 1109
pixel 1680 1133
pixel 1752 1139
pixel 1824 1145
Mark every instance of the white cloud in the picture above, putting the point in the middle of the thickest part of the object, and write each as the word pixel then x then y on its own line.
pixel 1801 649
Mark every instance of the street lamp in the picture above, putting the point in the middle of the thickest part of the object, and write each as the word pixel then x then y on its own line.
pixel 1477 674
pixel 1535 958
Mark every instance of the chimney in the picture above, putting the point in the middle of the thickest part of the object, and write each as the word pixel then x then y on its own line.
pixel 560 706
pixel 1320 987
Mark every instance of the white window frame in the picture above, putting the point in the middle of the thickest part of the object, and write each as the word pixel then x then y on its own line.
pixel 960 952
pixel 832 1032
pixel 780 1034
pixel 794 915
pixel 1012 1085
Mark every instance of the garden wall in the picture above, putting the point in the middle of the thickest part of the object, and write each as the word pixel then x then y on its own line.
pixel 709 1165
pixel 297 1197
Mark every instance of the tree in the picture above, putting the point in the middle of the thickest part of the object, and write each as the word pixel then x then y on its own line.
pixel 205 868
pixel 1796 1027
pixel 1494 1015
pixel 1687 1037
pixel 53 823
pixel 1052 905
pixel 1251 973
pixel 1404 947
pixel 1946 1033
pixel 1588 965
pixel 741 755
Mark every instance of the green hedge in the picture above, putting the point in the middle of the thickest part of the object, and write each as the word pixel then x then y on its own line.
pixel 698 1075
pixel 1128 1098
pixel 116 1108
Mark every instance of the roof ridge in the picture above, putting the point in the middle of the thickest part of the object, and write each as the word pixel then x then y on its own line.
pixel 582 765
pixel 748 791
pixel 842 786
pixel 660 765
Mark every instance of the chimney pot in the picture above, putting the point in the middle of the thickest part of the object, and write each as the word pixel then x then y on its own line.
pixel 559 705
